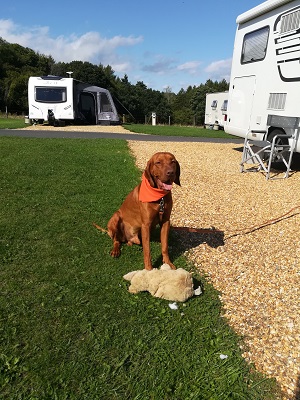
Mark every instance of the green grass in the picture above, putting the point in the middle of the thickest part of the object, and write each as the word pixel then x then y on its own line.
pixel 69 329
pixel 12 123
pixel 174 130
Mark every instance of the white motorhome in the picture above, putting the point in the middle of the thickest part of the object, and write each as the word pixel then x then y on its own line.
pixel 264 93
pixel 58 100
pixel 216 109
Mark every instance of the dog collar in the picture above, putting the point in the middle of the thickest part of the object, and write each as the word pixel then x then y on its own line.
pixel 150 194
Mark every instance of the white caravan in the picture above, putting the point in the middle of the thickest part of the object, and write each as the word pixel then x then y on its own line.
pixel 264 93
pixel 216 109
pixel 59 100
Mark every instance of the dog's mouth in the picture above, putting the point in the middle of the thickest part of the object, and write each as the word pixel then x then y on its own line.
pixel 164 185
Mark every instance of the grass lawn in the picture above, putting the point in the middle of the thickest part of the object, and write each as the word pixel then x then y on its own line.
pixel 174 130
pixel 12 123
pixel 69 329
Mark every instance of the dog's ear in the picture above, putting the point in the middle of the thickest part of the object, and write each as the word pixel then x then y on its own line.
pixel 177 178
pixel 148 174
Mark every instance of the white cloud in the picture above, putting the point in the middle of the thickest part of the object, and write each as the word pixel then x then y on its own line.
pixel 191 67
pixel 121 68
pixel 219 70
pixel 90 46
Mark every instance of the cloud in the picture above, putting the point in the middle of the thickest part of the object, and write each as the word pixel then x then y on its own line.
pixel 219 70
pixel 161 66
pixel 165 65
pixel 90 46
pixel 191 67
pixel 121 67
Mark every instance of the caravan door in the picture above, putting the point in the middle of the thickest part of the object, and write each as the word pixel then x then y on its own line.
pixel 87 107
pixel 240 105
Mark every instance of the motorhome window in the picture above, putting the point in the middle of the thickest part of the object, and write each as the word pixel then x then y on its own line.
pixel 105 105
pixel 255 45
pixel 51 95
pixel 224 105
pixel 214 104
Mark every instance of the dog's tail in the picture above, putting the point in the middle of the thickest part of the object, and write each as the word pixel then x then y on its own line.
pixel 100 228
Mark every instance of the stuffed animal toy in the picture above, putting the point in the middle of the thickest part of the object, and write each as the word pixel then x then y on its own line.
pixel 165 283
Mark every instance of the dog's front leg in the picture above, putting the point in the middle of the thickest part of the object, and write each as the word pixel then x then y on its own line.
pixel 116 249
pixel 145 232
pixel 164 235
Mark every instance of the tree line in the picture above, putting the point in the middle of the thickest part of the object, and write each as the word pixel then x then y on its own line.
pixel 136 102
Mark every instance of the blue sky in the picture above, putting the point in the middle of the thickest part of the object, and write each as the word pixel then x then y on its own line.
pixel 164 43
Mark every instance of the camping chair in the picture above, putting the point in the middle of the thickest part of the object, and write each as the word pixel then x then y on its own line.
pixel 264 152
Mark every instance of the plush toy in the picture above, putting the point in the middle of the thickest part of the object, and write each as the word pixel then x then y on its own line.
pixel 165 283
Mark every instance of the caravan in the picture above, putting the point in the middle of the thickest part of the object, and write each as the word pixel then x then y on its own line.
pixel 264 93
pixel 216 110
pixel 60 100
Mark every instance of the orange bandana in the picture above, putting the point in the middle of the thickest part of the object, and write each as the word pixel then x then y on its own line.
pixel 148 193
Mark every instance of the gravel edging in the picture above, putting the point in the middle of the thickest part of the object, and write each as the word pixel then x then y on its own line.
pixel 258 272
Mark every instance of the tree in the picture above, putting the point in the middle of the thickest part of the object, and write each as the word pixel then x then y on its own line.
pixel 182 111
pixel 17 64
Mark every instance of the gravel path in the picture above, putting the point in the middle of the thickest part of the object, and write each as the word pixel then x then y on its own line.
pixel 257 271
pixel 79 128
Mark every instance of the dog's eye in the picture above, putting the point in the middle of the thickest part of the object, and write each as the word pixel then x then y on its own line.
pixel 157 163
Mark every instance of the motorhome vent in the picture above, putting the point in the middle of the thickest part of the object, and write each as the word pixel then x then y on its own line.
pixel 277 101
pixel 290 22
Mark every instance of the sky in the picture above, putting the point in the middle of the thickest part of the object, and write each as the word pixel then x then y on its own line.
pixel 164 43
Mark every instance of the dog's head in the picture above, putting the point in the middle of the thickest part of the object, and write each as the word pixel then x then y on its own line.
pixel 162 170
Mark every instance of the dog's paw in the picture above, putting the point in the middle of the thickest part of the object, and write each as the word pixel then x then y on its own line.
pixel 115 253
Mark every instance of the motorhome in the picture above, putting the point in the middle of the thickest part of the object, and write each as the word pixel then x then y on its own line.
pixel 264 92
pixel 216 110
pixel 59 100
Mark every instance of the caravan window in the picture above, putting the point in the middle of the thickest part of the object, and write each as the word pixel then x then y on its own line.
pixel 105 103
pixel 224 105
pixel 50 95
pixel 255 45
pixel 214 104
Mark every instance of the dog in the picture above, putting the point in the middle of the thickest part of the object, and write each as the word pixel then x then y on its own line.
pixel 148 204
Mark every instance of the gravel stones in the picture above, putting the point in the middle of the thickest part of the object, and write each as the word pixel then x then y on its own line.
pixel 255 263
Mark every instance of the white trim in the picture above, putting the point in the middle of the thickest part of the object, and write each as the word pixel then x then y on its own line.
pixel 260 10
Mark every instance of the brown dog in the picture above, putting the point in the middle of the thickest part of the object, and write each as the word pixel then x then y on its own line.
pixel 149 203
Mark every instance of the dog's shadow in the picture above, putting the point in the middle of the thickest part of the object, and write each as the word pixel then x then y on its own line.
pixel 181 239
pixel 190 238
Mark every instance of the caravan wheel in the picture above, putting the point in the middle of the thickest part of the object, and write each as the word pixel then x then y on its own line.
pixel 279 141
